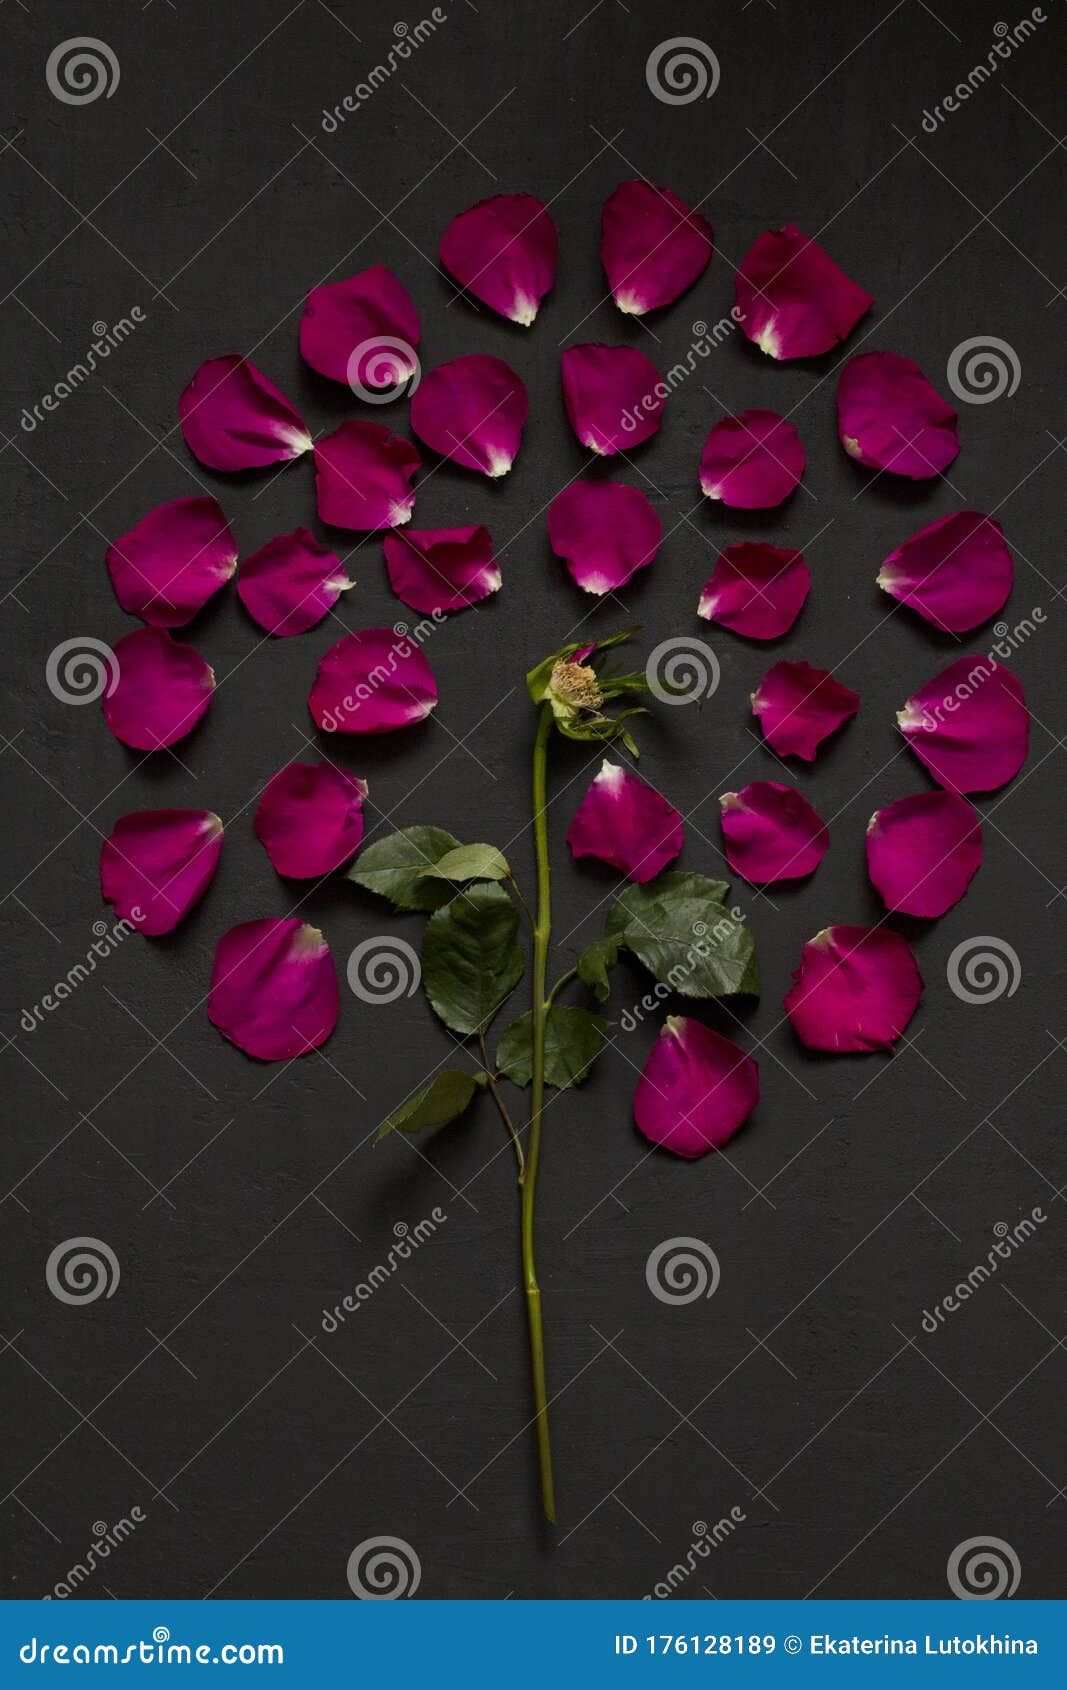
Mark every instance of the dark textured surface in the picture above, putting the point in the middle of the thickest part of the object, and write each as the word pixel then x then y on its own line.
pixel 805 1393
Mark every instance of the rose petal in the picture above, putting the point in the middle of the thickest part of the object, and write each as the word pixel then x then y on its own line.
pixel 310 819
pixel 438 569
pixel 472 411
pixel 156 864
pixel 613 396
pixel 604 531
pixel 772 832
pixel 372 682
pixel 792 299
pixel 957 571
pixel 856 989
pixel 291 582
pixel 653 246
pixel 167 568
pixel 969 725
pixel 924 851
pixel 756 590
pixel 696 1090
pixel 798 705
pixel 627 823
pixel 363 331
pixel 162 690
pixel 752 461
pixel 503 251
pixel 363 477
pixel 889 417
pixel 233 417
pixel 273 988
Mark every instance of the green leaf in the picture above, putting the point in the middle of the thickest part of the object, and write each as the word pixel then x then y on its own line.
pixel 573 1040
pixel 679 927
pixel 396 867
pixel 594 964
pixel 471 862
pixel 470 957
pixel 446 1096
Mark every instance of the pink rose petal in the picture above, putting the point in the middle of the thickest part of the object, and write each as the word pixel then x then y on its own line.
pixel 372 682
pixel 363 331
pixel 792 299
pixel 156 864
pixel 363 477
pixel 752 461
pixel 167 568
pixel 856 989
pixel 696 1090
pixel 889 417
pixel 503 252
pixel 273 988
pixel 969 725
pixel 604 531
pixel 799 705
pixel 162 690
pixel 756 590
pixel 291 582
pixel 472 411
pixel 772 832
pixel 233 417
pixel 613 396
pixel 957 571
pixel 653 246
pixel 310 819
pixel 627 823
pixel 924 851
pixel 439 569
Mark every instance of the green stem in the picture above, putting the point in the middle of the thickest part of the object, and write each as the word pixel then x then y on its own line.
pixel 501 1105
pixel 542 930
pixel 558 987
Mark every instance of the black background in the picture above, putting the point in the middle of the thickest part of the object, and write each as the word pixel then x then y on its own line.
pixel 805 1394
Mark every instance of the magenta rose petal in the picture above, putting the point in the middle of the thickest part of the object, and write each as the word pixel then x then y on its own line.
pixel 924 851
pixel 653 246
pixel 167 568
pixel 856 989
pixel 956 572
pixel 969 725
pixel 604 531
pixel 627 823
pixel 441 569
pixel 291 582
pixel 372 682
pixel 752 461
pixel 696 1090
pixel 363 477
pixel 273 988
pixel 472 411
pixel 363 331
pixel 889 417
pixel 309 819
pixel 772 832
pixel 799 705
pixel 163 689
pixel 156 864
pixel 233 417
pixel 756 590
pixel 613 396
pixel 792 299
pixel 503 252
